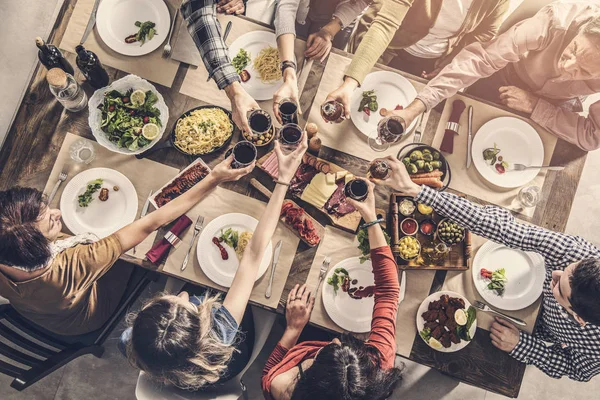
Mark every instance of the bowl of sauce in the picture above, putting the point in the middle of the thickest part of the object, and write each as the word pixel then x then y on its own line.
pixel 409 226
pixel 427 227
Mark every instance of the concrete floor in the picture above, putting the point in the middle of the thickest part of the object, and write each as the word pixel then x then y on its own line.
pixel 112 378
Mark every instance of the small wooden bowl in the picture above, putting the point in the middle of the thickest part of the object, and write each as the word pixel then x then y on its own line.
pixel 252 139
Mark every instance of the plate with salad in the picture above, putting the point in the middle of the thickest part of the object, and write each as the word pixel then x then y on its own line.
pixel 348 294
pixel 506 278
pixel 380 90
pixel 98 200
pixel 128 116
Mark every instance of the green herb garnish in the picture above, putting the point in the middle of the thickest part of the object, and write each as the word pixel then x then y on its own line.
pixel 364 246
pixel 230 237
pixel 338 278
pixel 426 334
pixel 498 281
pixel 463 331
pixel 241 60
pixel 86 198
pixel 369 100
pixel 146 31
pixel 490 154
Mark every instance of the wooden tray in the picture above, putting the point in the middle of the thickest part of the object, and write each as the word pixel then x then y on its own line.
pixel 319 228
pixel 459 257
pixel 348 222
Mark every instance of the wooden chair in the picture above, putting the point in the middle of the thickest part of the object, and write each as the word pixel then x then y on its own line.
pixel 57 350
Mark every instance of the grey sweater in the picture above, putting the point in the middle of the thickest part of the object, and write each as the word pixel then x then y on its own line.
pixel 290 11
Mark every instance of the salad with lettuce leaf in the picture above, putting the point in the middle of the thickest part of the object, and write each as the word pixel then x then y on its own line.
pixel 124 116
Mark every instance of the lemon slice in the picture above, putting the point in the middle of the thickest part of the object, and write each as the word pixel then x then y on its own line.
pixel 138 97
pixel 435 344
pixel 460 316
pixel 150 131
pixel 424 209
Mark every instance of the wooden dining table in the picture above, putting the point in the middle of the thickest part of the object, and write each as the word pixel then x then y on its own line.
pixel 41 124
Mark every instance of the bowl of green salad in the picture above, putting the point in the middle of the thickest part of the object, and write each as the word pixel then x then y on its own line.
pixel 128 116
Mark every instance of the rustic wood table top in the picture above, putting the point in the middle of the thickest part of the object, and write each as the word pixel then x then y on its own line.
pixel 41 124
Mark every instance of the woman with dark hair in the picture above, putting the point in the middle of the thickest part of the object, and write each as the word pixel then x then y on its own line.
pixel 349 369
pixel 193 342
pixel 69 286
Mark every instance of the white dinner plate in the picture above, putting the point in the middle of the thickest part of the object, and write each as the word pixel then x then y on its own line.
pixel 352 315
pixel 100 217
pixel 222 271
pixel 421 322
pixel 525 272
pixel 392 89
pixel 115 20
pixel 253 43
pixel 519 144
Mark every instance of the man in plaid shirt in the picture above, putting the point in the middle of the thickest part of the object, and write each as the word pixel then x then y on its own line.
pixel 201 17
pixel 567 342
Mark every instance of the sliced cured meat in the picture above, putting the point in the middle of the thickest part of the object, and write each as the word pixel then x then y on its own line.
pixel 337 203
pixel 304 174
pixel 181 184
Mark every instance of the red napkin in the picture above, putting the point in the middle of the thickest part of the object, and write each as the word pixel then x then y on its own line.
pixel 160 249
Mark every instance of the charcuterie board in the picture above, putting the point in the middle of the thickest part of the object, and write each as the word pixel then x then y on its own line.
pixel 310 238
pixel 318 172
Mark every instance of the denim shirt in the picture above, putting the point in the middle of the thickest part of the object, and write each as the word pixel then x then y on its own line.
pixel 224 325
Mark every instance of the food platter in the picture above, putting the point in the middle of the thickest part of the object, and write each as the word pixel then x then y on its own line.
pixel 352 315
pixel 525 273
pixel 392 89
pixel 444 167
pixel 123 85
pixel 222 271
pixel 519 143
pixel 115 20
pixel 182 182
pixel 253 43
pixel 421 322
pixel 102 218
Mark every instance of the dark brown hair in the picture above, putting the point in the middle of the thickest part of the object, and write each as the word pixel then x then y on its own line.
pixel 22 244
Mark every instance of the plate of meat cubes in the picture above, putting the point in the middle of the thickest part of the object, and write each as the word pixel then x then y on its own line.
pixel 446 321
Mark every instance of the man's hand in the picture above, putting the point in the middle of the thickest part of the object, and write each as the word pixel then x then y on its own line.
pixel 231 7
pixel 409 114
pixel 504 335
pixel 343 94
pixel 399 179
pixel 366 208
pixel 289 89
pixel 289 163
pixel 298 309
pixel 518 99
pixel 224 173
pixel 318 45
pixel 241 104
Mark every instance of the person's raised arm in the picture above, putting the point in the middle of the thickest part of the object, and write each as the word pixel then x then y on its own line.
pixel 238 295
pixel 132 234
pixel 289 87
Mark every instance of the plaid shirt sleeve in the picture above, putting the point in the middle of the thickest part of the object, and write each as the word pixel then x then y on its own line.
pixel 201 18
pixel 499 225
pixel 554 360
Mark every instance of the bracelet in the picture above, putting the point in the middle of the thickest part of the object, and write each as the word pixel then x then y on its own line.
pixel 288 64
pixel 368 224
pixel 278 182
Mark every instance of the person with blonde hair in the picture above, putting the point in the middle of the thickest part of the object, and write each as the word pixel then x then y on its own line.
pixel 194 342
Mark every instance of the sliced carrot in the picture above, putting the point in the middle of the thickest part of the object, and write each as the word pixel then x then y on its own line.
pixel 434 174
pixel 433 182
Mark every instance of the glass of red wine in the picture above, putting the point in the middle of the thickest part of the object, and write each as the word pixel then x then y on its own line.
pixel 244 154
pixel 260 122
pixel 290 135
pixel 389 130
pixel 332 111
pixel 288 109
pixel 357 189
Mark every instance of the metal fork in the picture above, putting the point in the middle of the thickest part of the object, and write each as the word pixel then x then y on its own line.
pixel 323 272
pixel 167 49
pixel 485 308
pixel 61 178
pixel 197 228
pixel 521 167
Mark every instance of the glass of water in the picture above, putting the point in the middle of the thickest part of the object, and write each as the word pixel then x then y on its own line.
pixel 82 151
pixel 529 196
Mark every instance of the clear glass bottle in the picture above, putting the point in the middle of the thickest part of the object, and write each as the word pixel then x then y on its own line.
pixel 434 252
pixel 66 90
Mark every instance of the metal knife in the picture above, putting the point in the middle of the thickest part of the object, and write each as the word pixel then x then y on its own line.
pixel 197 229
pixel 144 210
pixel 470 137
pixel 273 266
pixel 91 22
pixel 419 129
pixel 402 287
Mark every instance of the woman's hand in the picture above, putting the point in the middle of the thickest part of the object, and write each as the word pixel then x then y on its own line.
pixel 289 89
pixel 231 7
pixel 298 309
pixel 318 45
pixel 366 208
pixel 399 179
pixel 409 114
pixel 343 94
pixel 224 173
pixel 289 163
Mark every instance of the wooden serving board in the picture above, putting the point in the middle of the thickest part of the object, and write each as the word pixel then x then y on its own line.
pixel 459 257
pixel 319 228
pixel 348 222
